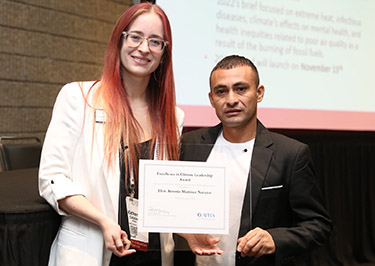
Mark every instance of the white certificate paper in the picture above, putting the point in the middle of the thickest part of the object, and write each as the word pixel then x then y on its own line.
pixel 183 197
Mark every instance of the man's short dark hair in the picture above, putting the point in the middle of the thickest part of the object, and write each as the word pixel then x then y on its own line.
pixel 233 61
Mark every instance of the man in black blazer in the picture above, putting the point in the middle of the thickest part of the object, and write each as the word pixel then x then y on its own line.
pixel 282 215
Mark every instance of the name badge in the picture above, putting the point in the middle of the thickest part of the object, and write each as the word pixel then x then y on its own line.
pixel 139 240
pixel 100 116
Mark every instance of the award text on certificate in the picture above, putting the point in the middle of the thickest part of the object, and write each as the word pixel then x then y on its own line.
pixel 183 197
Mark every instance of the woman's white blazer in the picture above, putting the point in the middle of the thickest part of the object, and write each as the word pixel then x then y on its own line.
pixel 73 163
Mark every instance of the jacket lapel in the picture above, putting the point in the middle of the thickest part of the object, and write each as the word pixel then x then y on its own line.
pixel 94 142
pixel 260 162
pixel 208 140
pixel 110 174
pixel 199 148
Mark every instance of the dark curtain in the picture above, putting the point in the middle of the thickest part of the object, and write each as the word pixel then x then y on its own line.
pixel 345 166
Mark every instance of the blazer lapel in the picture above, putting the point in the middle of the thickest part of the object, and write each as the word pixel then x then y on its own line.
pixel 110 174
pixel 200 148
pixel 208 140
pixel 260 162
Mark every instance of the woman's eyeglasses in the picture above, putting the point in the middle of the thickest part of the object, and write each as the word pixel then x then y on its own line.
pixel 134 40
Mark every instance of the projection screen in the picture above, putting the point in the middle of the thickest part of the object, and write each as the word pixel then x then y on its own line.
pixel 314 58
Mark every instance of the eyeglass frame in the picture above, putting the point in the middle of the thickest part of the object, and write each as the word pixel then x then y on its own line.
pixel 165 43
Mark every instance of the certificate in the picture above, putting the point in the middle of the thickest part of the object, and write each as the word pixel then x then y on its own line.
pixel 183 197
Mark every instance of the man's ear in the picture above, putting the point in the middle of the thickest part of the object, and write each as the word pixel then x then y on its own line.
pixel 260 93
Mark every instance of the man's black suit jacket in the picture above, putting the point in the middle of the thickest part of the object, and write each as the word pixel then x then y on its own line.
pixel 293 214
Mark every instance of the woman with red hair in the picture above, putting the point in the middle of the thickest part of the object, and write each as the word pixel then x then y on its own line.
pixel 98 132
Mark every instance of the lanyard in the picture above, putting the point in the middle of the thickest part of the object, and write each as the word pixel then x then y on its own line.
pixel 131 172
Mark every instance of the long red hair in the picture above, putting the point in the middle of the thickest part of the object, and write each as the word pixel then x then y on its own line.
pixel 121 124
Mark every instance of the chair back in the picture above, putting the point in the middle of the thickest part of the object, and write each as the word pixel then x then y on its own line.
pixel 20 152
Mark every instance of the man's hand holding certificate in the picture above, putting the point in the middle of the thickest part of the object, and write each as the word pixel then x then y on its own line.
pixel 182 197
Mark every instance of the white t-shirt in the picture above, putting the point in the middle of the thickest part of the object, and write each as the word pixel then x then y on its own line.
pixel 237 158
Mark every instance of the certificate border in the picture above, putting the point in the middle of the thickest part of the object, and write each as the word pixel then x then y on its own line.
pixel 194 229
